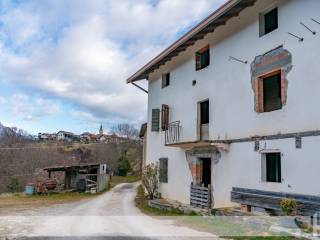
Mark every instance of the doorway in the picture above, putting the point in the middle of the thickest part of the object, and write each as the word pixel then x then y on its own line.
pixel 204 120
pixel 206 172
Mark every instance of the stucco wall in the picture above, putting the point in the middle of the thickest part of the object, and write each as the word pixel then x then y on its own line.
pixel 227 84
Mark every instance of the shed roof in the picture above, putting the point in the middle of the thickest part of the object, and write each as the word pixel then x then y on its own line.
pixel 218 18
pixel 68 167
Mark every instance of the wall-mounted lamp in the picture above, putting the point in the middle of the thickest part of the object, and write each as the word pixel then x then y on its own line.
pixel 237 59
pixel 293 35
pixel 306 27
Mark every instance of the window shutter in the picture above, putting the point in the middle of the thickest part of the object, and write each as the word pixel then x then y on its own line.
pixel 198 61
pixel 164 117
pixel 163 172
pixel 155 121
pixel 163 80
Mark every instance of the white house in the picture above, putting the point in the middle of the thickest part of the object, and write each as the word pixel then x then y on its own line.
pixel 233 107
pixel 66 136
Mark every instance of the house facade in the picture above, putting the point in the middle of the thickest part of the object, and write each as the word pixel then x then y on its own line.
pixel 232 106
pixel 67 136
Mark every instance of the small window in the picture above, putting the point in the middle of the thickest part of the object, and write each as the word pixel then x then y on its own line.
pixel 272 92
pixel 163 170
pixel 268 21
pixel 203 58
pixel 273 167
pixel 165 80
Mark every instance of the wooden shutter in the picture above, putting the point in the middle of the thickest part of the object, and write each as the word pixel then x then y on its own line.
pixel 155 121
pixel 163 172
pixel 198 61
pixel 163 82
pixel 164 117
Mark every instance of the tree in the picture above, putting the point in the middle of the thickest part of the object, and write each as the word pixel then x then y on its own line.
pixel 126 130
pixel 123 166
pixel 14 185
pixel 150 180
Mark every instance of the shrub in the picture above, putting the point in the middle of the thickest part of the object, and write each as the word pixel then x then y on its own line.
pixel 123 166
pixel 150 180
pixel 14 185
pixel 288 206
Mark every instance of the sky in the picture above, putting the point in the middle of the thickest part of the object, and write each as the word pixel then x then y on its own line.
pixel 64 63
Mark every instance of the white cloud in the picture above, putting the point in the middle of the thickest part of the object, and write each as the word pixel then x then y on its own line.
pixel 82 53
pixel 32 109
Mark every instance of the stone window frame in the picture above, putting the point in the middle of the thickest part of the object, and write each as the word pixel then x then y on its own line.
pixel 259 89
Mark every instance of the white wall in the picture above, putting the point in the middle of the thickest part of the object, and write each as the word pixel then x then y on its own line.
pixel 227 84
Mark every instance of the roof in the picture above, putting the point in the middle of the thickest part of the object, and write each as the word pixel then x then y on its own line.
pixel 65 132
pixel 74 166
pixel 218 18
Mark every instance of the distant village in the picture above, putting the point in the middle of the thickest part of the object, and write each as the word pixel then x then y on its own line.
pixel 86 137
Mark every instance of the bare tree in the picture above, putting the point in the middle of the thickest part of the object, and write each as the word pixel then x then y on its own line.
pixel 126 130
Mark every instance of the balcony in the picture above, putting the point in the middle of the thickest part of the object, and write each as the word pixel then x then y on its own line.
pixel 172 134
pixel 173 139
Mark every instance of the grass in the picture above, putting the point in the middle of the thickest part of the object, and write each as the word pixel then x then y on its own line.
pixel 264 238
pixel 115 180
pixel 142 203
pixel 218 226
pixel 19 201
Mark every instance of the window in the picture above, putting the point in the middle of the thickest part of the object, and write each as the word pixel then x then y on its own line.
pixel 272 92
pixel 268 21
pixel 163 171
pixel 203 58
pixel 271 167
pixel 165 80
pixel 155 120
pixel 164 117
pixel 204 112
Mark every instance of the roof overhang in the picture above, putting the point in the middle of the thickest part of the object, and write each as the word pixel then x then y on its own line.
pixel 218 18
pixel 203 143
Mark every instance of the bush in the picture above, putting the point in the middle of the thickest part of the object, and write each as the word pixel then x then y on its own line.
pixel 14 185
pixel 123 166
pixel 288 206
pixel 150 180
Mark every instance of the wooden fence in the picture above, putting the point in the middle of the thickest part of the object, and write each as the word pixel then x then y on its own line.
pixel 200 196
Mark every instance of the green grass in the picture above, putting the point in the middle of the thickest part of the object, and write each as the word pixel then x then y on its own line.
pixel 115 180
pixel 218 226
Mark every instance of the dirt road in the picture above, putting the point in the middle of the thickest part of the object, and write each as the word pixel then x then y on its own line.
pixel 111 215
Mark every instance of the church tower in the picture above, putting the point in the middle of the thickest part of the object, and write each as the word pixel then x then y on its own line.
pixel 101 130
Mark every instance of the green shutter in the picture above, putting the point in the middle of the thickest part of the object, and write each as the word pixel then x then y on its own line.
pixel 163 171
pixel 155 121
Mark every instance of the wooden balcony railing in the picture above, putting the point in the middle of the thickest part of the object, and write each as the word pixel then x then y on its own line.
pixel 172 134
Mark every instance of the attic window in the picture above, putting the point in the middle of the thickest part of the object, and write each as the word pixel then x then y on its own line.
pixel 268 21
pixel 165 80
pixel 203 58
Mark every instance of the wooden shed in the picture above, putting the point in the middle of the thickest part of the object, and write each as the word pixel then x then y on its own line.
pixel 91 175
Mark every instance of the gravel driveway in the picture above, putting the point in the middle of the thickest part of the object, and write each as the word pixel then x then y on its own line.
pixel 111 215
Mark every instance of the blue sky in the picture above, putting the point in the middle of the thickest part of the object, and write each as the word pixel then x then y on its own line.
pixel 63 64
